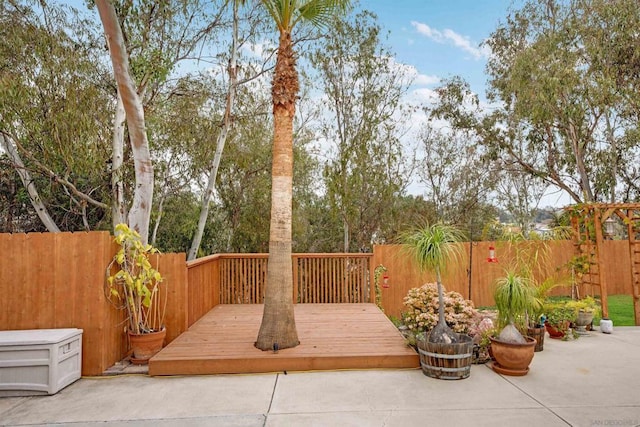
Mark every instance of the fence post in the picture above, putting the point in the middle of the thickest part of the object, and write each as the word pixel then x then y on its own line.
pixel 294 259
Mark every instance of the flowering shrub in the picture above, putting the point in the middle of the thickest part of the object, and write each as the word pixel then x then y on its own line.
pixel 422 310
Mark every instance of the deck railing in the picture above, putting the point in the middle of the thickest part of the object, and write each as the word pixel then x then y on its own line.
pixel 317 278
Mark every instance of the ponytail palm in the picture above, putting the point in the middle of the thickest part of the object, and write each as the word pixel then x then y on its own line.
pixel 278 328
pixel 515 297
pixel 434 248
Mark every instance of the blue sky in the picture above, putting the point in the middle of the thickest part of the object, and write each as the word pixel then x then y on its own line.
pixel 441 38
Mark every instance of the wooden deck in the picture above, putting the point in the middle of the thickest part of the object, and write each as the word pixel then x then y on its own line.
pixel 332 336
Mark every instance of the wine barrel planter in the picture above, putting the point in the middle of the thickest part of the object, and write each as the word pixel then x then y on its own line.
pixel 538 334
pixel 446 361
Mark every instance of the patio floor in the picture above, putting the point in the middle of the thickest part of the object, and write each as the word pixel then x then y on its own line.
pixel 592 381
pixel 332 336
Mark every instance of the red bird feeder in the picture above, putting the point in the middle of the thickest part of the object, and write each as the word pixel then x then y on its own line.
pixel 385 281
pixel 492 255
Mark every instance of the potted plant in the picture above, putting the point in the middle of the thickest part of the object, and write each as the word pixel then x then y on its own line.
pixel 535 315
pixel 584 309
pixel 136 288
pixel 513 352
pixel 559 316
pixel 422 309
pixel 444 354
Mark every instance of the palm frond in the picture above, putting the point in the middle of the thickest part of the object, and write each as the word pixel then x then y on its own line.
pixel 320 13
pixel 434 246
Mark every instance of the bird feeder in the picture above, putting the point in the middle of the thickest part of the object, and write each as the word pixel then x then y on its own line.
pixel 492 254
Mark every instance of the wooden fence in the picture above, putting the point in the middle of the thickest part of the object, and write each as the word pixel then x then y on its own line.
pixel 474 276
pixel 56 280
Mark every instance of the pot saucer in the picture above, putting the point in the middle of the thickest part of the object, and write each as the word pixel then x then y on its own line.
pixel 506 371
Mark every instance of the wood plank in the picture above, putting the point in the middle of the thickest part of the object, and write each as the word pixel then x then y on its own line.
pixel 333 336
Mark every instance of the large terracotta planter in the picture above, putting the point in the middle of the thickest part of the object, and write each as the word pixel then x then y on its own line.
pixel 145 346
pixel 512 359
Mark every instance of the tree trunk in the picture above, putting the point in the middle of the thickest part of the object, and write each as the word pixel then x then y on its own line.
pixel 346 236
pixel 118 208
pixel 278 327
pixel 222 138
pixel 578 152
pixel 27 181
pixel 140 212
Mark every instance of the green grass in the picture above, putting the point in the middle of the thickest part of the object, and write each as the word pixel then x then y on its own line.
pixel 620 309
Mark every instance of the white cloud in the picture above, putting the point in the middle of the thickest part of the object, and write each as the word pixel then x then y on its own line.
pixel 425 80
pixel 449 36
pixel 424 96
pixel 426 30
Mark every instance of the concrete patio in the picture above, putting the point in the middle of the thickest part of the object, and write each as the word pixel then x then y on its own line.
pixel 588 382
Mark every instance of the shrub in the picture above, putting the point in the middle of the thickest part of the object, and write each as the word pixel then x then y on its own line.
pixel 422 310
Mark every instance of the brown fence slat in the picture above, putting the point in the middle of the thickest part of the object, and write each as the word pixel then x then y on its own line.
pixel 57 280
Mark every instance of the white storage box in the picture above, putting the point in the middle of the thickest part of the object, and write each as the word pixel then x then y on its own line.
pixel 39 361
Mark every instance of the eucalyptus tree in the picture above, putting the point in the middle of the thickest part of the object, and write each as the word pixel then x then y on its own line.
pixel 364 120
pixel 247 26
pixel 61 103
pixel 457 176
pixel 244 178
pixel 140 212
pixel 278 329
pixel 555 68
pixel 563 92
pixel 155 37
pixel 52 110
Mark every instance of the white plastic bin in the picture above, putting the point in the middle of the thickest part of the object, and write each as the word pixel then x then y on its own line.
pixel 39 361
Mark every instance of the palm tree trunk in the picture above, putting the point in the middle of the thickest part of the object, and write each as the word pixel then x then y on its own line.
pixel 278 328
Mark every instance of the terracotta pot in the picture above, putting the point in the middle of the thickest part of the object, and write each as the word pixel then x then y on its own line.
pixel 554 332
pixel 512 359
pixel 145 346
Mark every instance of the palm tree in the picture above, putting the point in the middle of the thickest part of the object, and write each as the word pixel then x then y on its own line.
pixel 433 247
pixel 278 328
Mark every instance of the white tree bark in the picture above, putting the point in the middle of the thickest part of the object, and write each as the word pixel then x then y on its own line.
pixel 222 138
pixel 25 177
pixel 140 212
pixel 118 207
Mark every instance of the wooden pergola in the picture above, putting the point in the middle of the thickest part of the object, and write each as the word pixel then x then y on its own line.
pixel 595 222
